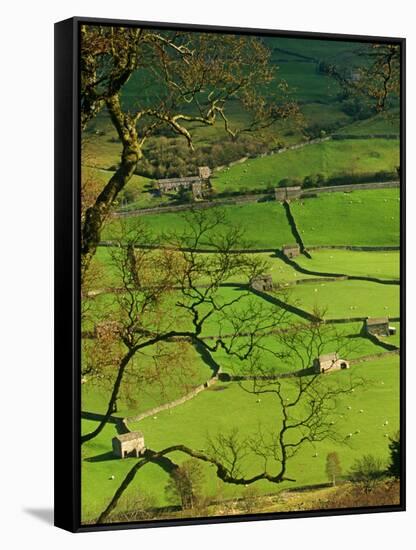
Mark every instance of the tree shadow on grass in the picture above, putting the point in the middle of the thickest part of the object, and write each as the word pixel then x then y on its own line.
pixel 102 457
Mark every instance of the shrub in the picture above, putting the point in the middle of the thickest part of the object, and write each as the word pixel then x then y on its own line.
pixel 367 471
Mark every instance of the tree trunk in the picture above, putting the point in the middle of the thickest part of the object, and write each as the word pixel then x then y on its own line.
pixel 96 215
pixel 113 399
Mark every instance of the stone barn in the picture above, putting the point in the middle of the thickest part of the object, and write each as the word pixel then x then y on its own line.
pixel 204 172
pixel 329 362
pixel 125 444
pixel 287 193
pixel 174 184
pixel 262 283
pixel 291 250
pixel 196 184
pixel 377 326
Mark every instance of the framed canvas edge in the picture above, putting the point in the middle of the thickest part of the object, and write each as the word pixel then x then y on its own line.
pixel 67 402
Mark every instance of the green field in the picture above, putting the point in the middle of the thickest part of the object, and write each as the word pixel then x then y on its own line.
pixel 370 218
pixel 216 411
pixel 167 371
pixel 383 265
pixel 250 218
pixel 346 299
pixel 329 158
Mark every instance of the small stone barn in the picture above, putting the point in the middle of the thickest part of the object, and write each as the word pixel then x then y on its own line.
pixel 204 172
pixel 377 326
pixel 329 362
pixel 287 193
pixel 262 283
pixel 132 442
pixel 291 250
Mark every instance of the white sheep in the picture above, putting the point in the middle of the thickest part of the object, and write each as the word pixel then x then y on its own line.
pixel 111 477
pixel 361 410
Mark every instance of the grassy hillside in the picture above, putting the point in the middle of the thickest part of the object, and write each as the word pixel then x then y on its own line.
pixel 358 218
pixel 264 224
pixel 328 158
pixel 384 265
pixel 348 298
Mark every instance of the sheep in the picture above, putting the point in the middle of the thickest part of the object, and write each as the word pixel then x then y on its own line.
pixel 155 418
pixel 111 477
pixel 258 401
pixel 349 407
pixel 361 410
pixel 350 435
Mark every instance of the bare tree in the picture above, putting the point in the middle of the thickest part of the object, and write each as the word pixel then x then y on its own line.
pixel 192 76
pixel 376 76
pixel 171 295
pixel 185 484
pixel 306 408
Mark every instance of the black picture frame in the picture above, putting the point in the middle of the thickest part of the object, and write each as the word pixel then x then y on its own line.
pixel 67 278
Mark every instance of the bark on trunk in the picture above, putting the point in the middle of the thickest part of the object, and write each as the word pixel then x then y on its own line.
pixel 96 215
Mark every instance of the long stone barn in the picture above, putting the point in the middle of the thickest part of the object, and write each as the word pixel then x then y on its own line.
pixel 195 183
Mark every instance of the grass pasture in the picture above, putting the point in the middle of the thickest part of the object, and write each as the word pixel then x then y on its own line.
pixel 383 265
pixel 345 299
pixel 366 218
pixel 329 158
pixel 217 411
pixel 264 225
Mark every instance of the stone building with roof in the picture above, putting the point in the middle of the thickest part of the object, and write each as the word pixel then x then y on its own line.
pixel 378 326
pixel 262 283
pixel 291 250
pixel 131 442
pixel 287 193
pixel 196 184
pixel 329 362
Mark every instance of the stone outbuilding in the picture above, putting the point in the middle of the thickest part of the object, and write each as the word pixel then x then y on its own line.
pixel 196 184
pixel 287 193
pixel 262 282
pixel 329 362
pixel 174 184
pixel 204 172
pixel 378 326
pixel 291 250
pixel 125 444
